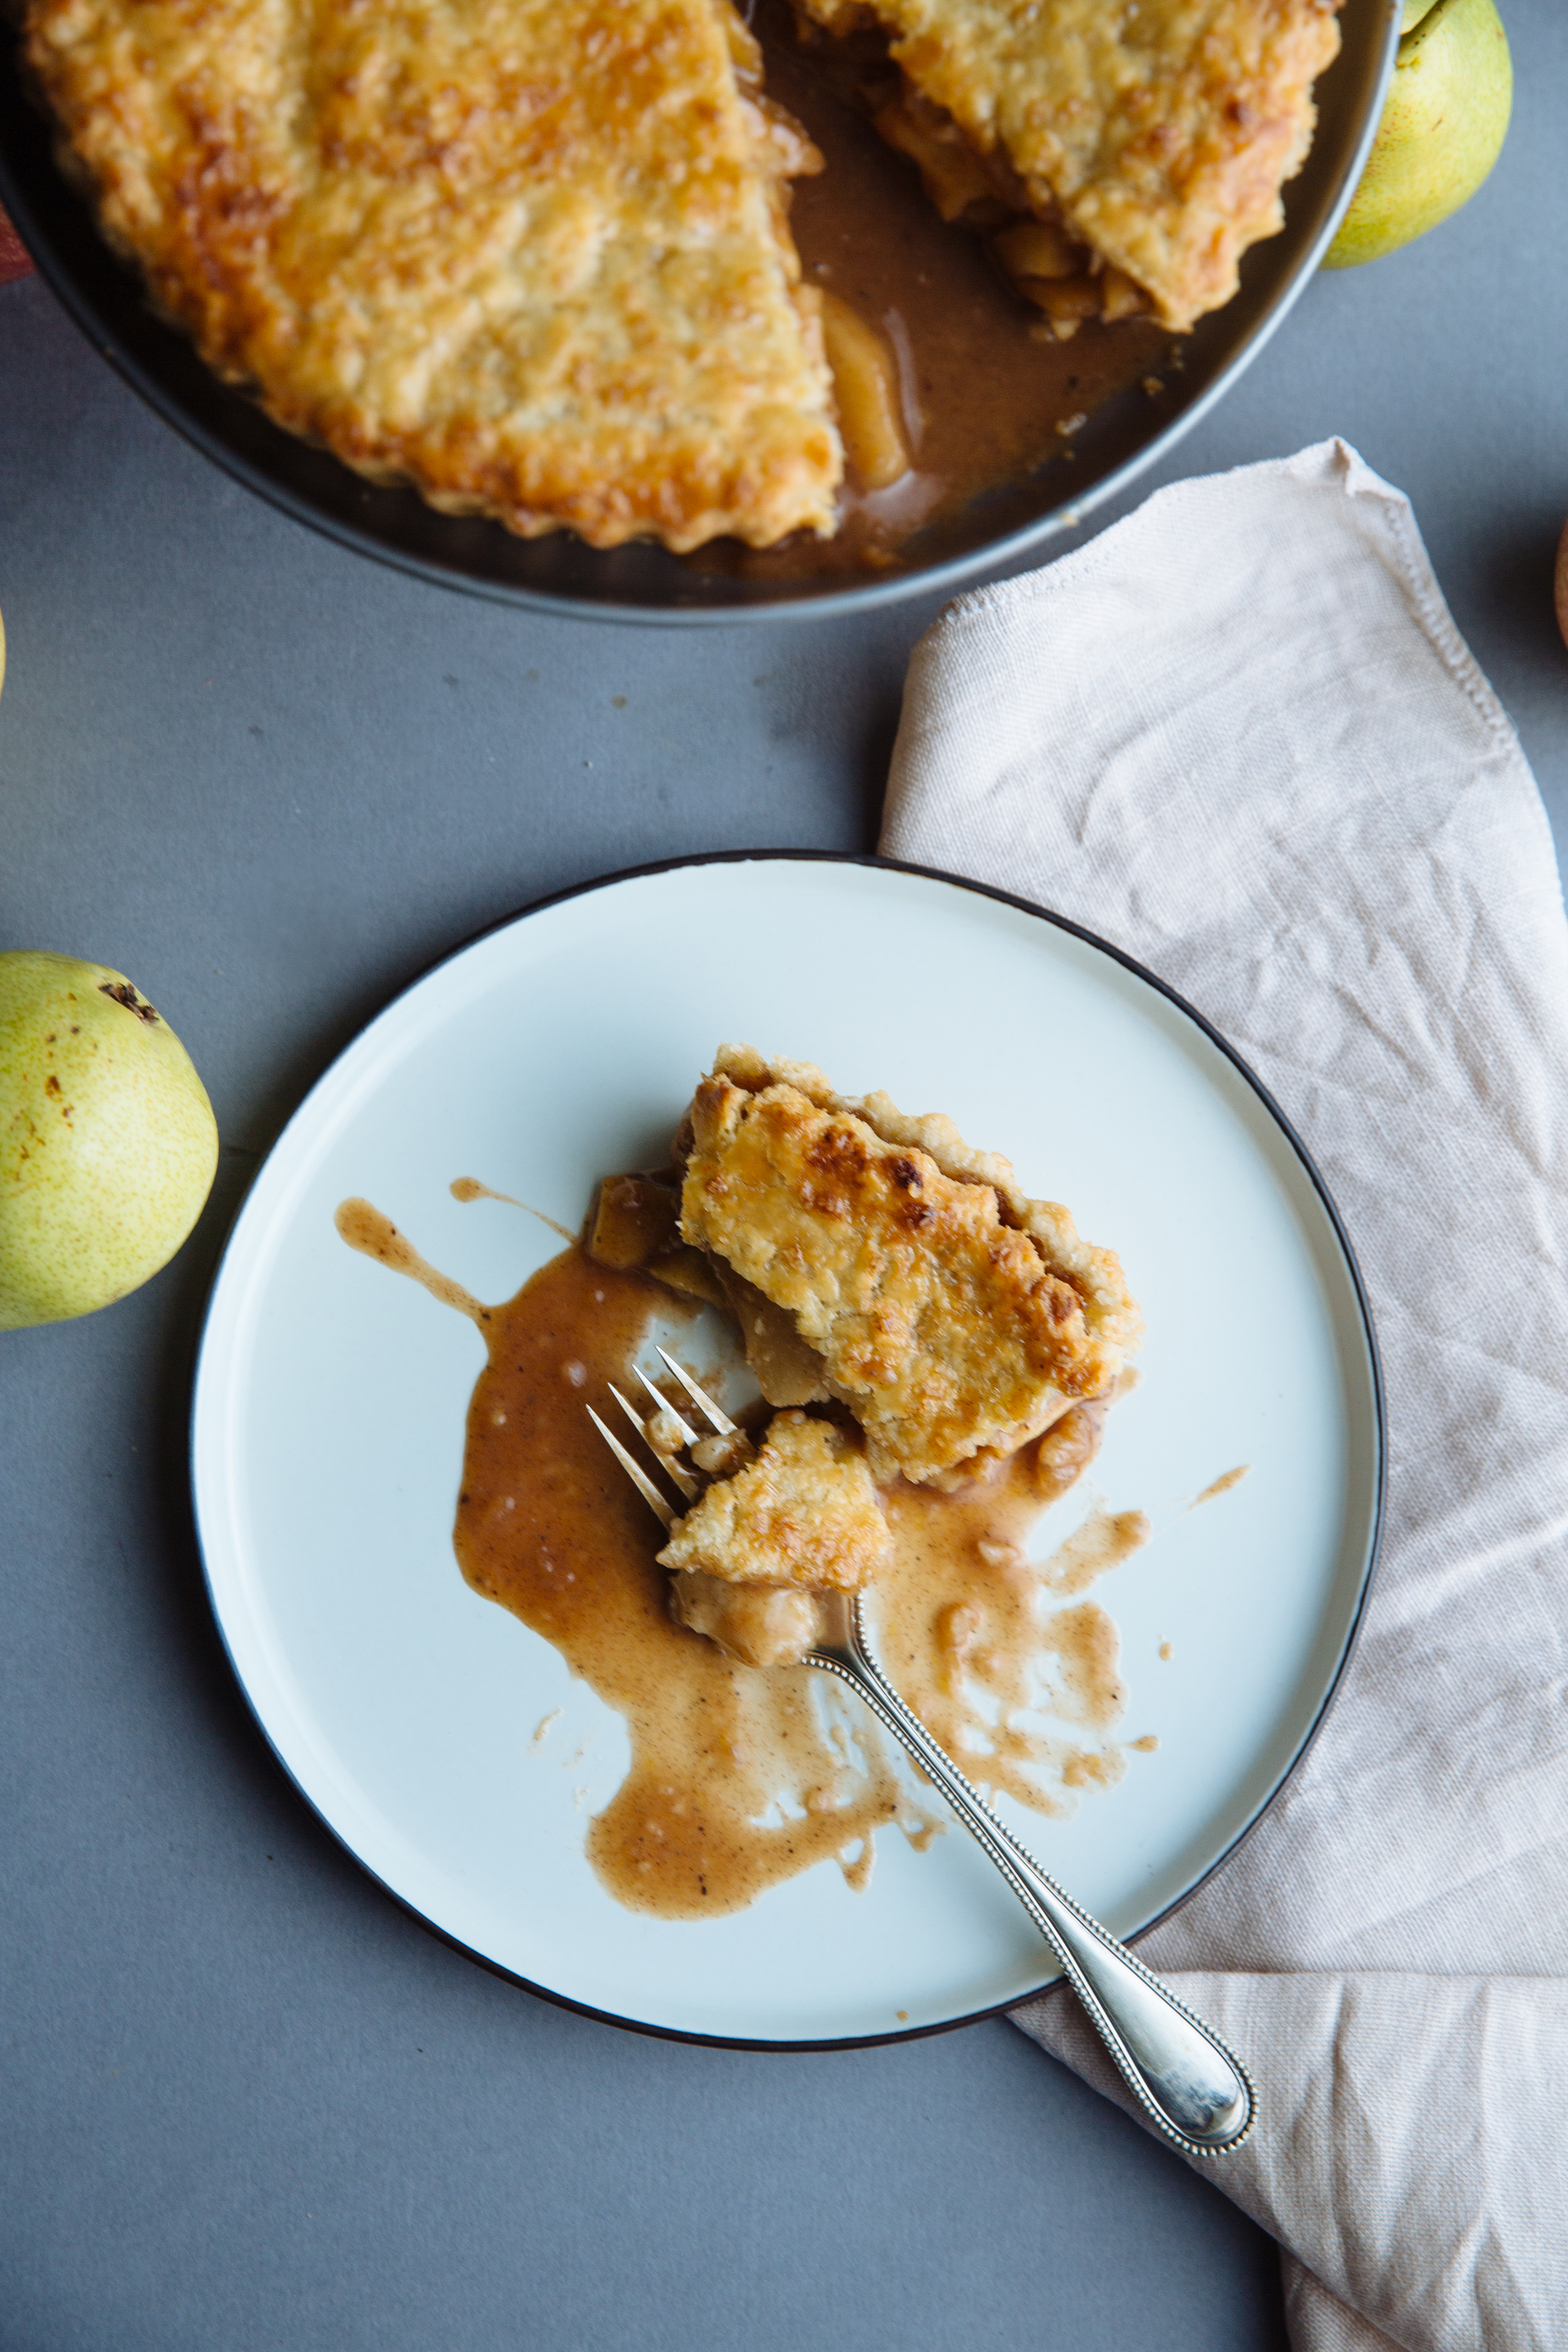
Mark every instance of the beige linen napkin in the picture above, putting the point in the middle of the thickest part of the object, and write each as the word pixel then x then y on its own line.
pixel 1240 736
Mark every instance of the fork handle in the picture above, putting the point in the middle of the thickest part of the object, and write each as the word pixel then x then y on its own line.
pixel 1197 2092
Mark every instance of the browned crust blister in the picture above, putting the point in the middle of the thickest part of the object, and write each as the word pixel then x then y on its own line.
pixel 1160 134
pixel 528 255
pixel 953 1316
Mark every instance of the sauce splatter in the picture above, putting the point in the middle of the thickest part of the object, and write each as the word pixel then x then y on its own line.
pixel 1223 1486
pixel 741 1777
pixel 468 1188
pixel 365 1229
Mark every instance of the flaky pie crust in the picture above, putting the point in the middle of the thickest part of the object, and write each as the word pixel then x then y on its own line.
pixel 954 1316
pixel 527 255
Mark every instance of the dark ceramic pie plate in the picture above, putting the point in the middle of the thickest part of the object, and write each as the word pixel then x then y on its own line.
pixel 1126 434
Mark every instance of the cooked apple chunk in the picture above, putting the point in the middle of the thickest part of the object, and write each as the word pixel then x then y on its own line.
pixel 759 1624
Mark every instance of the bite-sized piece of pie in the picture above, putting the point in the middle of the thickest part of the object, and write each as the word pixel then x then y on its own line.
pixel 531 255
pixel 1151 138
pixel 953 1316
pixel 753 1556
pixel 803 1511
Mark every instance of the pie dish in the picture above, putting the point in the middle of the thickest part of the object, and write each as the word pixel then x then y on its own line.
pixel 577 304
pixel 449 1747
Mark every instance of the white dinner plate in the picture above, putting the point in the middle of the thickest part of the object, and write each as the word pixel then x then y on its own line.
pixel 331 1401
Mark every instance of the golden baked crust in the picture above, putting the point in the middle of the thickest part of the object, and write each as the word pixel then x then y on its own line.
pixel 1160 133
pixel 804 1512
pixel 954 1316
pixel 529 255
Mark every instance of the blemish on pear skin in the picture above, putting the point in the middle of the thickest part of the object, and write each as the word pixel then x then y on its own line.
pixel 121 991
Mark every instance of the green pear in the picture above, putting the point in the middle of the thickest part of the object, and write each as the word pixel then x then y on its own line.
pixel 1442 130
pixel 108 1143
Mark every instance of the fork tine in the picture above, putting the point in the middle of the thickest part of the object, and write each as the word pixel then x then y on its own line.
pixel 721 1422
pixel 662 1404
pixel 682 1478
pixel 663 1511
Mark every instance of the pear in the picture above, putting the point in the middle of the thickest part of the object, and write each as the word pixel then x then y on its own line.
pixel 1442 130
pixel 108 1143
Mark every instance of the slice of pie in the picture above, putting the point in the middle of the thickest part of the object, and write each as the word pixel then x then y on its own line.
pixel 956 1318
pixel 1143 144
pixel 531 255
pixel 750 1558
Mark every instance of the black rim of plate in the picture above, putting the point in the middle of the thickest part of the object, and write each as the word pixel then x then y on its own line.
pixel 560 574
pixel 1336 1224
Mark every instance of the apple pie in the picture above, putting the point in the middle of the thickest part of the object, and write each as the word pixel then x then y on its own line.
pixel 801 1511
pixel 750 1558
pixel 531 255
pixel 953 1316
pixel 1139 149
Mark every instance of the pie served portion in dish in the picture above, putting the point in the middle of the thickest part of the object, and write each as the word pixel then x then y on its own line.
pixel 878 1261
pixel 1143 145
pixel 939 1317
pixel 529 255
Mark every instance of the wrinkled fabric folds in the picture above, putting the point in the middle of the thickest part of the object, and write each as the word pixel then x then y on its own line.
pixel 1239 735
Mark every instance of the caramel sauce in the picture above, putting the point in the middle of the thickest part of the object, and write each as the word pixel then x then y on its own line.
pixel 741 1777
pixel 738 1776
pixel 1222 1485
pixel 974 1634
pixel 983 396
pixel 365 1229
pixel 468 1188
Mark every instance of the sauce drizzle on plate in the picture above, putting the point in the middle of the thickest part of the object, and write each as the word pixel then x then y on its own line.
pixel 741 1777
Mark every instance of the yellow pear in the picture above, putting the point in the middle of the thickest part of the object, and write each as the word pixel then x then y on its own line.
pixel 1442 130
pixel 108 1144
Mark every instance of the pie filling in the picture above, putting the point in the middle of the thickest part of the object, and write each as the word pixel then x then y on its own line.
pixel 973 187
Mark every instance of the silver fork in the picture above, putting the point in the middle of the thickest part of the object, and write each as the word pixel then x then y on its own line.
pixel 1196 2091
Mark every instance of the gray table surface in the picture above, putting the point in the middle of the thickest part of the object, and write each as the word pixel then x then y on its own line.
pixel 249 2104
